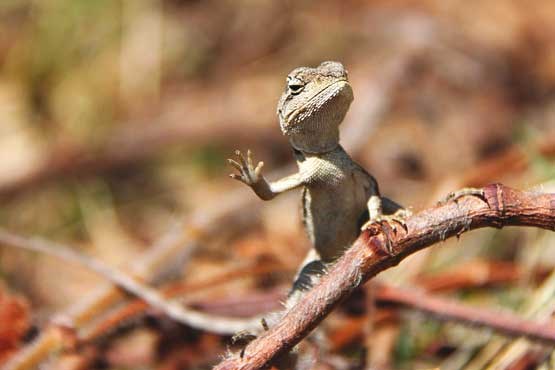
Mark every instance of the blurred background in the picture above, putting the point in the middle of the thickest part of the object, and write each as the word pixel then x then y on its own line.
pixel 116 118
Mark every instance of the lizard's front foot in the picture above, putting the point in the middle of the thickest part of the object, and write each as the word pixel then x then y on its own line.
pixel 244 337
pixel 241 340
pixel 398 218
pixel 248 174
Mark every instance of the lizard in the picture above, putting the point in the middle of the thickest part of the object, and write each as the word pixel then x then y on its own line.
pixel 339 198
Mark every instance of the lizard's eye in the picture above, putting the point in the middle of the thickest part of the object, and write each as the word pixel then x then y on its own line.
pixel 295 85
pixel 295 88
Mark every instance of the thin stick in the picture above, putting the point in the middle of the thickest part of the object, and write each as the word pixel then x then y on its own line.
pixel 501 206
pixel 450 310
pixel 172 290
pixel 193 318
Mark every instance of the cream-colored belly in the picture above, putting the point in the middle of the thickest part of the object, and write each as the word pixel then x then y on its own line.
pixel 332 215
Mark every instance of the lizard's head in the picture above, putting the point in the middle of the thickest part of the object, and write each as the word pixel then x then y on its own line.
pixel 313 105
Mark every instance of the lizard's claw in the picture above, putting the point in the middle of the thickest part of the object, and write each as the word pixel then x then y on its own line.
pixel 241 340
pixel 462 193
pixel 244 337
pixel 248 173
pixel 398 218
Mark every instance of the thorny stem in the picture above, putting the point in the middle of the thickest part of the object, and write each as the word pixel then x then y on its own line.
pixel 501 206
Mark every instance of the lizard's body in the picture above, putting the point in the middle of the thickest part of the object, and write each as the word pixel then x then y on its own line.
pixel 338 194
pixel 334 200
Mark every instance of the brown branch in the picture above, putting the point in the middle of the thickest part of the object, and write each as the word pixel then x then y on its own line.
pixel 176 244
pixel 172 290
pixel 451 310
pixel 367 257
pixel 443 309
pixel 172 309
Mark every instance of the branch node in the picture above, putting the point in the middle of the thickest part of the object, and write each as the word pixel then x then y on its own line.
pixel 495 197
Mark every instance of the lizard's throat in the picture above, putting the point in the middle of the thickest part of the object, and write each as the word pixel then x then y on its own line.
pixel 314 127
pixel 316 139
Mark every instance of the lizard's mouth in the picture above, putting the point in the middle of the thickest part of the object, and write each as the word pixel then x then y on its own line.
pixel 290 116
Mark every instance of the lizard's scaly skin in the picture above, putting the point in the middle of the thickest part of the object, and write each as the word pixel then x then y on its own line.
pixel 338 194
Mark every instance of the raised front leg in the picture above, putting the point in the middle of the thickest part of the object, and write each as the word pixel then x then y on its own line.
pixel 251 176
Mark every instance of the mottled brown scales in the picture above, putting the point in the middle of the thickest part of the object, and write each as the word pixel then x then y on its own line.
pixel 339 196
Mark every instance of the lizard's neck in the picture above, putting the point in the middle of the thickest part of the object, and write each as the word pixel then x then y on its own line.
pixel 319 139
pixel 301 155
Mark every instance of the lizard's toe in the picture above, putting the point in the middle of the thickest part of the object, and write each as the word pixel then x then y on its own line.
pixel 462 193
pixel 392 220
pixel 241 340
pixel 244 337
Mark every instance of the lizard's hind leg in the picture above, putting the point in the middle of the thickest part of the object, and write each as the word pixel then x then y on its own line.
pixel 309 274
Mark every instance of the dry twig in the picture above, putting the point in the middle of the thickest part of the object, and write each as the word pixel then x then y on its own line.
pixel 175 311
pixel 449 310
pixel 175 245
